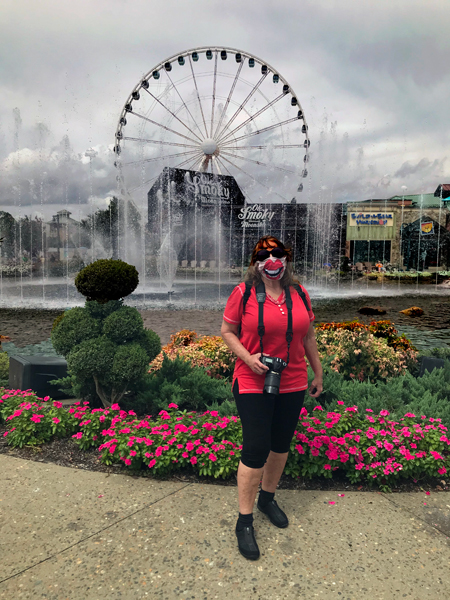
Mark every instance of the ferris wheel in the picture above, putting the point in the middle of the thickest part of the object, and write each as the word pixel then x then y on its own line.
pixel 216 110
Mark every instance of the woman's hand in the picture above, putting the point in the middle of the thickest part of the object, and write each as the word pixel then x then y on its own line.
pixel 256 365
pixel 316 387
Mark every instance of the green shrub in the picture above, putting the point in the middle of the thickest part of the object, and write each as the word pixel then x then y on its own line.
pixel 101 311
pixel 107 279
pixel 58 320
pixel 151 342
pixel 4 369
pixel 76 327
pixel 178 382
pixel 123 325
pixel 424 395
pixel 107 350
pixel 359 355
pixel 44 348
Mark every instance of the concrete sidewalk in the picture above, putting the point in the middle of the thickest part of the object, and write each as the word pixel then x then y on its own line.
pixel 77 535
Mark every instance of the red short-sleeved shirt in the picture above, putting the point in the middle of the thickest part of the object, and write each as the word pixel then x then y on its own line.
pixel 294 377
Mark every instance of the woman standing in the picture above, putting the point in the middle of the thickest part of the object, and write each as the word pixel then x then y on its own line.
pixel 268 416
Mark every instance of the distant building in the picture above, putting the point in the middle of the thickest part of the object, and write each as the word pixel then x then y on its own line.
pixel 409 232
pixel 64 237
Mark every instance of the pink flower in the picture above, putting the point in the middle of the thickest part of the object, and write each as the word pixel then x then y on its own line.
pixel 158 451
pixel 79 435
pixel 442 470
pixel 115 407
pixel 194 460
pixel 185 455
pixel 152 463
pixel 133 452
pixel 340 403
pixel 384 413
pixel 36 418
pixel 327 467
pixel 331 502
pixel 127 461
pixel 212 457
pixel 173 405
pixel 56 420
pixel 57 404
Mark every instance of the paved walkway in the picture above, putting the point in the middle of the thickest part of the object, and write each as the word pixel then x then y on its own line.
pixel 76 535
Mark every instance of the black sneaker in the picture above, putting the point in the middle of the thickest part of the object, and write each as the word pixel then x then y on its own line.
pixel 247 543
pixel 275 514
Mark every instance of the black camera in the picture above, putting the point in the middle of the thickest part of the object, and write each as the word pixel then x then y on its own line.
pixel 273 375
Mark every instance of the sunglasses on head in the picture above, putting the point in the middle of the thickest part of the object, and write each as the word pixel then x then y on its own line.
pixel 266 252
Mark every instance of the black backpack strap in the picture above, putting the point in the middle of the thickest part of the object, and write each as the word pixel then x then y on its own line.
pixel 248 291
pixel 302 295
pixel 261 298
pixel 289 331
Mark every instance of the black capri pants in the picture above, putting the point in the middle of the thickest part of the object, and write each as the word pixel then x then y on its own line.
pixel 268 424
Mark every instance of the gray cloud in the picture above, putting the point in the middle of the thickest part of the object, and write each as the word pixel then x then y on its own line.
pixel 372 78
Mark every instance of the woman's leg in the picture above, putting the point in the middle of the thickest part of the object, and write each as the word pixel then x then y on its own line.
pixel 284 423
pixel 256 413
pixel 273 469
pixel 248 481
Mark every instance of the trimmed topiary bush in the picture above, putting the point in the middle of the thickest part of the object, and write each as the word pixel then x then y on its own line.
pixel 105 344
pixel 107 279
pixel 76 327
pixel 123 325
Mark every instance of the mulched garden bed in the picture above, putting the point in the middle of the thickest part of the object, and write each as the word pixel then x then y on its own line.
pixel 65 453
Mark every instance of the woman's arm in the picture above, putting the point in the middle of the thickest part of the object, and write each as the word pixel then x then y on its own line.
pixel 229 332
pixel 312 354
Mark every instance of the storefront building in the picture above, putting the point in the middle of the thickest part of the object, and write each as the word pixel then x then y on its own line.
pixel 408 232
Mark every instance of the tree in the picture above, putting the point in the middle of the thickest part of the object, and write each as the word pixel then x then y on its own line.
pixel 8 232
pixel 110 223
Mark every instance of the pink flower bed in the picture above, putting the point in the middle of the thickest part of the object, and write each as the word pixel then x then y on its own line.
pixel 364 448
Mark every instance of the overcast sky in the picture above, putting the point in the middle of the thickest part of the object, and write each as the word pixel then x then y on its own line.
pixel 372 77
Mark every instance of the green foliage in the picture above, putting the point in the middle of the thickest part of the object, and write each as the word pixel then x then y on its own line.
pixel 42 349
pixel 130 363
pixel 151 342
pixel 57 321
pixel 178 382
pixel 107 350
pixel 358 354
pixel 4 369
pixel 91 357
pixel 101 311
pixel 424 395
pixel 123 325
pixel 437 353
pixel 107 279
pixel 76 326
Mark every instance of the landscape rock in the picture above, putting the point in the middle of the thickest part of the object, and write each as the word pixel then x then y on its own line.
pixel 371 310
pixel 414 311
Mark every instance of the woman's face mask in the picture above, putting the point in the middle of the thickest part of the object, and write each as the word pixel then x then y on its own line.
pixel 272 268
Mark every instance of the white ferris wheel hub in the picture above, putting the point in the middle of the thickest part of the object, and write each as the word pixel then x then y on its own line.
pixel 209 147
